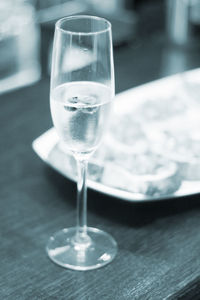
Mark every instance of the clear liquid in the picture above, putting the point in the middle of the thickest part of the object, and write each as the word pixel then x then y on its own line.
pixel 80 112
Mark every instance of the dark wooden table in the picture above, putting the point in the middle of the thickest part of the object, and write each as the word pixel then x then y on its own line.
pixel 159 242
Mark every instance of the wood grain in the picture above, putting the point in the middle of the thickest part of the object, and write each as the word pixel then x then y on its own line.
pixel 159 243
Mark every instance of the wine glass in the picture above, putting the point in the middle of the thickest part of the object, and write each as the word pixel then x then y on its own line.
pixel 81 92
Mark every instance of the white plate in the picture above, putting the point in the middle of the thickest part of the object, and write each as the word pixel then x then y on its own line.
pixel 48 148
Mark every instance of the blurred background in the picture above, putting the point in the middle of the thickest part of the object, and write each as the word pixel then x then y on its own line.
pixel 152 38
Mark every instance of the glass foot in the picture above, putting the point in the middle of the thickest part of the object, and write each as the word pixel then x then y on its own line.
pixel 98 250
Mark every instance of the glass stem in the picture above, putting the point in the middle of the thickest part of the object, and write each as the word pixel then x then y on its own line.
pixel 81 232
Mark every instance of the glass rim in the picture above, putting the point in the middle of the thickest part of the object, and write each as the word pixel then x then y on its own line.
pixel 62 20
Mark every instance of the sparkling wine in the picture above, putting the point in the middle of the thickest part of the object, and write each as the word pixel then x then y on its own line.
pixel 80 111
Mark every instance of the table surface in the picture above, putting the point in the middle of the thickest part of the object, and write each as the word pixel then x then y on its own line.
pixel 159 243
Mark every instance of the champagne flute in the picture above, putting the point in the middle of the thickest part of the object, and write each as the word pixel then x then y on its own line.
pixel 81 92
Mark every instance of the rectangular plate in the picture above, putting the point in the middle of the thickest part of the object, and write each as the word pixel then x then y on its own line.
pixel 49 149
